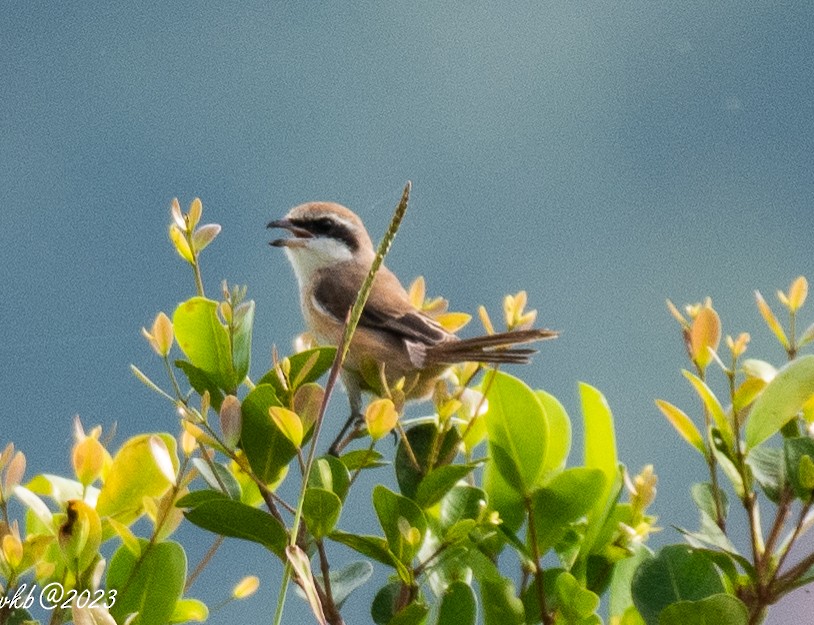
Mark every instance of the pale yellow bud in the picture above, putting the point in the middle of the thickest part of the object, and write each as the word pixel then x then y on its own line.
pixel 195 210
pixel 12 550
pixel 14 472
pixel 246 587
pixel 188 443
pixel 771 320
pixel 88 460
pixel 230 420
pixel 705 334
pixel 677 314
pixel 177 216
pixel 417 292
pixel 485 320
pixel 798 291
pixel 204 235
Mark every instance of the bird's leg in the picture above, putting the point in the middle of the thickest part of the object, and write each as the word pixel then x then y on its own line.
pixel 354 421
pixel 340 442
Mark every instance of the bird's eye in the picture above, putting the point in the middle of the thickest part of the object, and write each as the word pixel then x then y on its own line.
pixel 321 226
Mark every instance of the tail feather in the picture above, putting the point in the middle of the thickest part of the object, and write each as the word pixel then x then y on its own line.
pixel 491 348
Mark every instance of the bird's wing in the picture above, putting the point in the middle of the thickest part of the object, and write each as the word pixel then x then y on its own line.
pixel 388 308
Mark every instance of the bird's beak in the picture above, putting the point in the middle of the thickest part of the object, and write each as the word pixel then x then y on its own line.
pixel 300 234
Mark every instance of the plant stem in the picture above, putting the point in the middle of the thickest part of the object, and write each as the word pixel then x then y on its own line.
pixel 797 570
pixel 711 462
pixel 326 571
pixel 196 269
pixel 539 582
pixel 782 515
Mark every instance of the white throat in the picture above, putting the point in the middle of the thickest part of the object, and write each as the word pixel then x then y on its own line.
pixel 318 253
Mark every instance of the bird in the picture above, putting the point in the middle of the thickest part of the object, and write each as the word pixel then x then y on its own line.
pixel 331 253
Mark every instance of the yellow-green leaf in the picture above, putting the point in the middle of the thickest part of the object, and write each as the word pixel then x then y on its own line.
pixel 289 423
pixel 181 244
pixel 712 404
pixel 771 320
pixel 682 424
pixel 188 609
pixel 121 495
pixel 781 400
pixel 747 392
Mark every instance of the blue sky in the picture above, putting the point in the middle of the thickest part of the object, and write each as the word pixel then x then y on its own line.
pixel 602 156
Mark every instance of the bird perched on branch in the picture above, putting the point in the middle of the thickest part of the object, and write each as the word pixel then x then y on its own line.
pixel 331 253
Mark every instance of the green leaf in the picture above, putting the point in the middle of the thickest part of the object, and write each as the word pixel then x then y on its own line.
pixel 508 469
pixel 298 373
pixel 363 459
pixel 412 614
pixel 383 607
pixel 516 423
pixel 237 520
pixel 567 498
pixel 559 433
pixel 402 520
pixel 620 599
pixel 458 605
pixel 575 602
pixel 769 468
pixel 121 495
pixel 188 609
pixel 439 482
pixel 719 609
pixel 422 440
pixel 347 579
pixel 795 450
pixel 600 453
pixel 242 340
pixel 503 497
pixel 781 400
pixel 331 474
pixel 20 617
pixel 677 573
pixel 205 341
pixel 373 547
pixel 320 509
pixel 704 499
pixel 202 382
pixel 267 449
pixel 198 497
pixel 461 503
pixel 500 603
pixel 224 476
pixel 150 585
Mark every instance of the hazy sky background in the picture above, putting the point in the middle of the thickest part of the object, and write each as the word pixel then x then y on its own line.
pixel 603 156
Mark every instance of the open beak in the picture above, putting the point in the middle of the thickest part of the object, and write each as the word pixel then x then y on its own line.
pixel 299 234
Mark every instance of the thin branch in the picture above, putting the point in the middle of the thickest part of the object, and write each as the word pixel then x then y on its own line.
pixel 207 558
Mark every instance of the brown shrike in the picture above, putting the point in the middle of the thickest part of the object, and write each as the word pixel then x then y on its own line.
pixel 331 253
